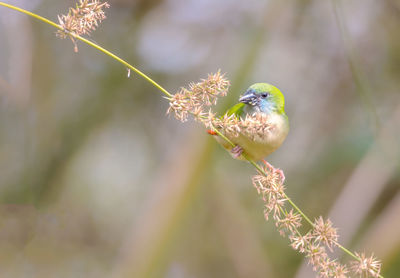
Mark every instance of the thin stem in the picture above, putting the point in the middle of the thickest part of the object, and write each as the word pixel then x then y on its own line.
pixel 359 80
pixel 347 251
pixel 155 84
pixel 32 15
pixel 298 210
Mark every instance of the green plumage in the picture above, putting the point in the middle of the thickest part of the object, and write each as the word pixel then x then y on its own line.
pixel 237 109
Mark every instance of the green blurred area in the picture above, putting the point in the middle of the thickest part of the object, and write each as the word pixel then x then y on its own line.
pixel 96 180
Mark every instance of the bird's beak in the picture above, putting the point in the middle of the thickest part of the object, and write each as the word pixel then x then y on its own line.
pixel 248 98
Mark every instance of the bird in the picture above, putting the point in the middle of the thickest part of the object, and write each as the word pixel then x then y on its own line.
pixel 266 103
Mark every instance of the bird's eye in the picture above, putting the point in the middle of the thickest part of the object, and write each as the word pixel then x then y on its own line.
pixel 264 95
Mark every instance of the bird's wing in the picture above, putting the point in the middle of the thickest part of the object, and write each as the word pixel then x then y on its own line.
pixel 236 110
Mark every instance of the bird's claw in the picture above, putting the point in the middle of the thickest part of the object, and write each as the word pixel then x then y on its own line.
pixel 211 132
pixel 236 151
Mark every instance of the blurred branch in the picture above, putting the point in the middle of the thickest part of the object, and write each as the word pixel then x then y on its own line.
pixel 360 81
pixel 394 7
pixel 237 233
pixel 5 88
pixel 155 232
pixel 365 184
pixel 383 237
pixel 370 178
pixel 251 53
pixel 72 133
pixel 19 62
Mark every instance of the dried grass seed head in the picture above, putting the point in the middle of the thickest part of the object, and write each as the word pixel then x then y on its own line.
pixel 197 97
pixel 366 266
pixel 340 271
pixel 329 268
pixel 268 187
pixel 256 127
pixel 290 222
pixel 83 19
pixel 209 89
pixel 274 205
pixel 316 254
pixel 323 232
pixel 300 242
pixel 229 124
pixel 179 104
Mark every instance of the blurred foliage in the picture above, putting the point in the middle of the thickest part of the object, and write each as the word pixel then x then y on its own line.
pixel 95 180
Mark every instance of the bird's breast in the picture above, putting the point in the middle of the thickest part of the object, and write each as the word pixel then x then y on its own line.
pixel 262 142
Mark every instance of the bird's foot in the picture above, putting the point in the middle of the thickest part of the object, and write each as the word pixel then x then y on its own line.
pixel 211 132
pixel 236 151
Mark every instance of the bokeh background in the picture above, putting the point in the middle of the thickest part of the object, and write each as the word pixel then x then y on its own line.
pixel 96 180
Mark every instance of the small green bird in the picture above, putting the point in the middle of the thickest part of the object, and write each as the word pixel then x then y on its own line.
pixel 266 103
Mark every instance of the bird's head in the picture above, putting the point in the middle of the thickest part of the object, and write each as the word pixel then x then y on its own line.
pixel 264 98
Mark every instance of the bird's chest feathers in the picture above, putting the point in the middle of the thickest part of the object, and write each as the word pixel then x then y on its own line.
pixel 277 128
pixel 261 143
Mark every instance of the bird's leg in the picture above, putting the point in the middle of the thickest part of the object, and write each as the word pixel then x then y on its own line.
pixel 237 151
pixel 272 169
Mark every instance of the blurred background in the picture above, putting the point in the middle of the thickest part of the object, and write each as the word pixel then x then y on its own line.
pixel 96 181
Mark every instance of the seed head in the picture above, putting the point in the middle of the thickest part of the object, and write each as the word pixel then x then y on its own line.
pixel 229 124
pixel 329 268
pixel 366 266
pixel 257 127
pixel 290 222
pixel 179 104
pixel 323 232
pixel 299 242
pixel 316 254
pixel 275 205
pixel 208 90
pixel 197 97
pixel 271 188
pixel 82 20
pixel 340 271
